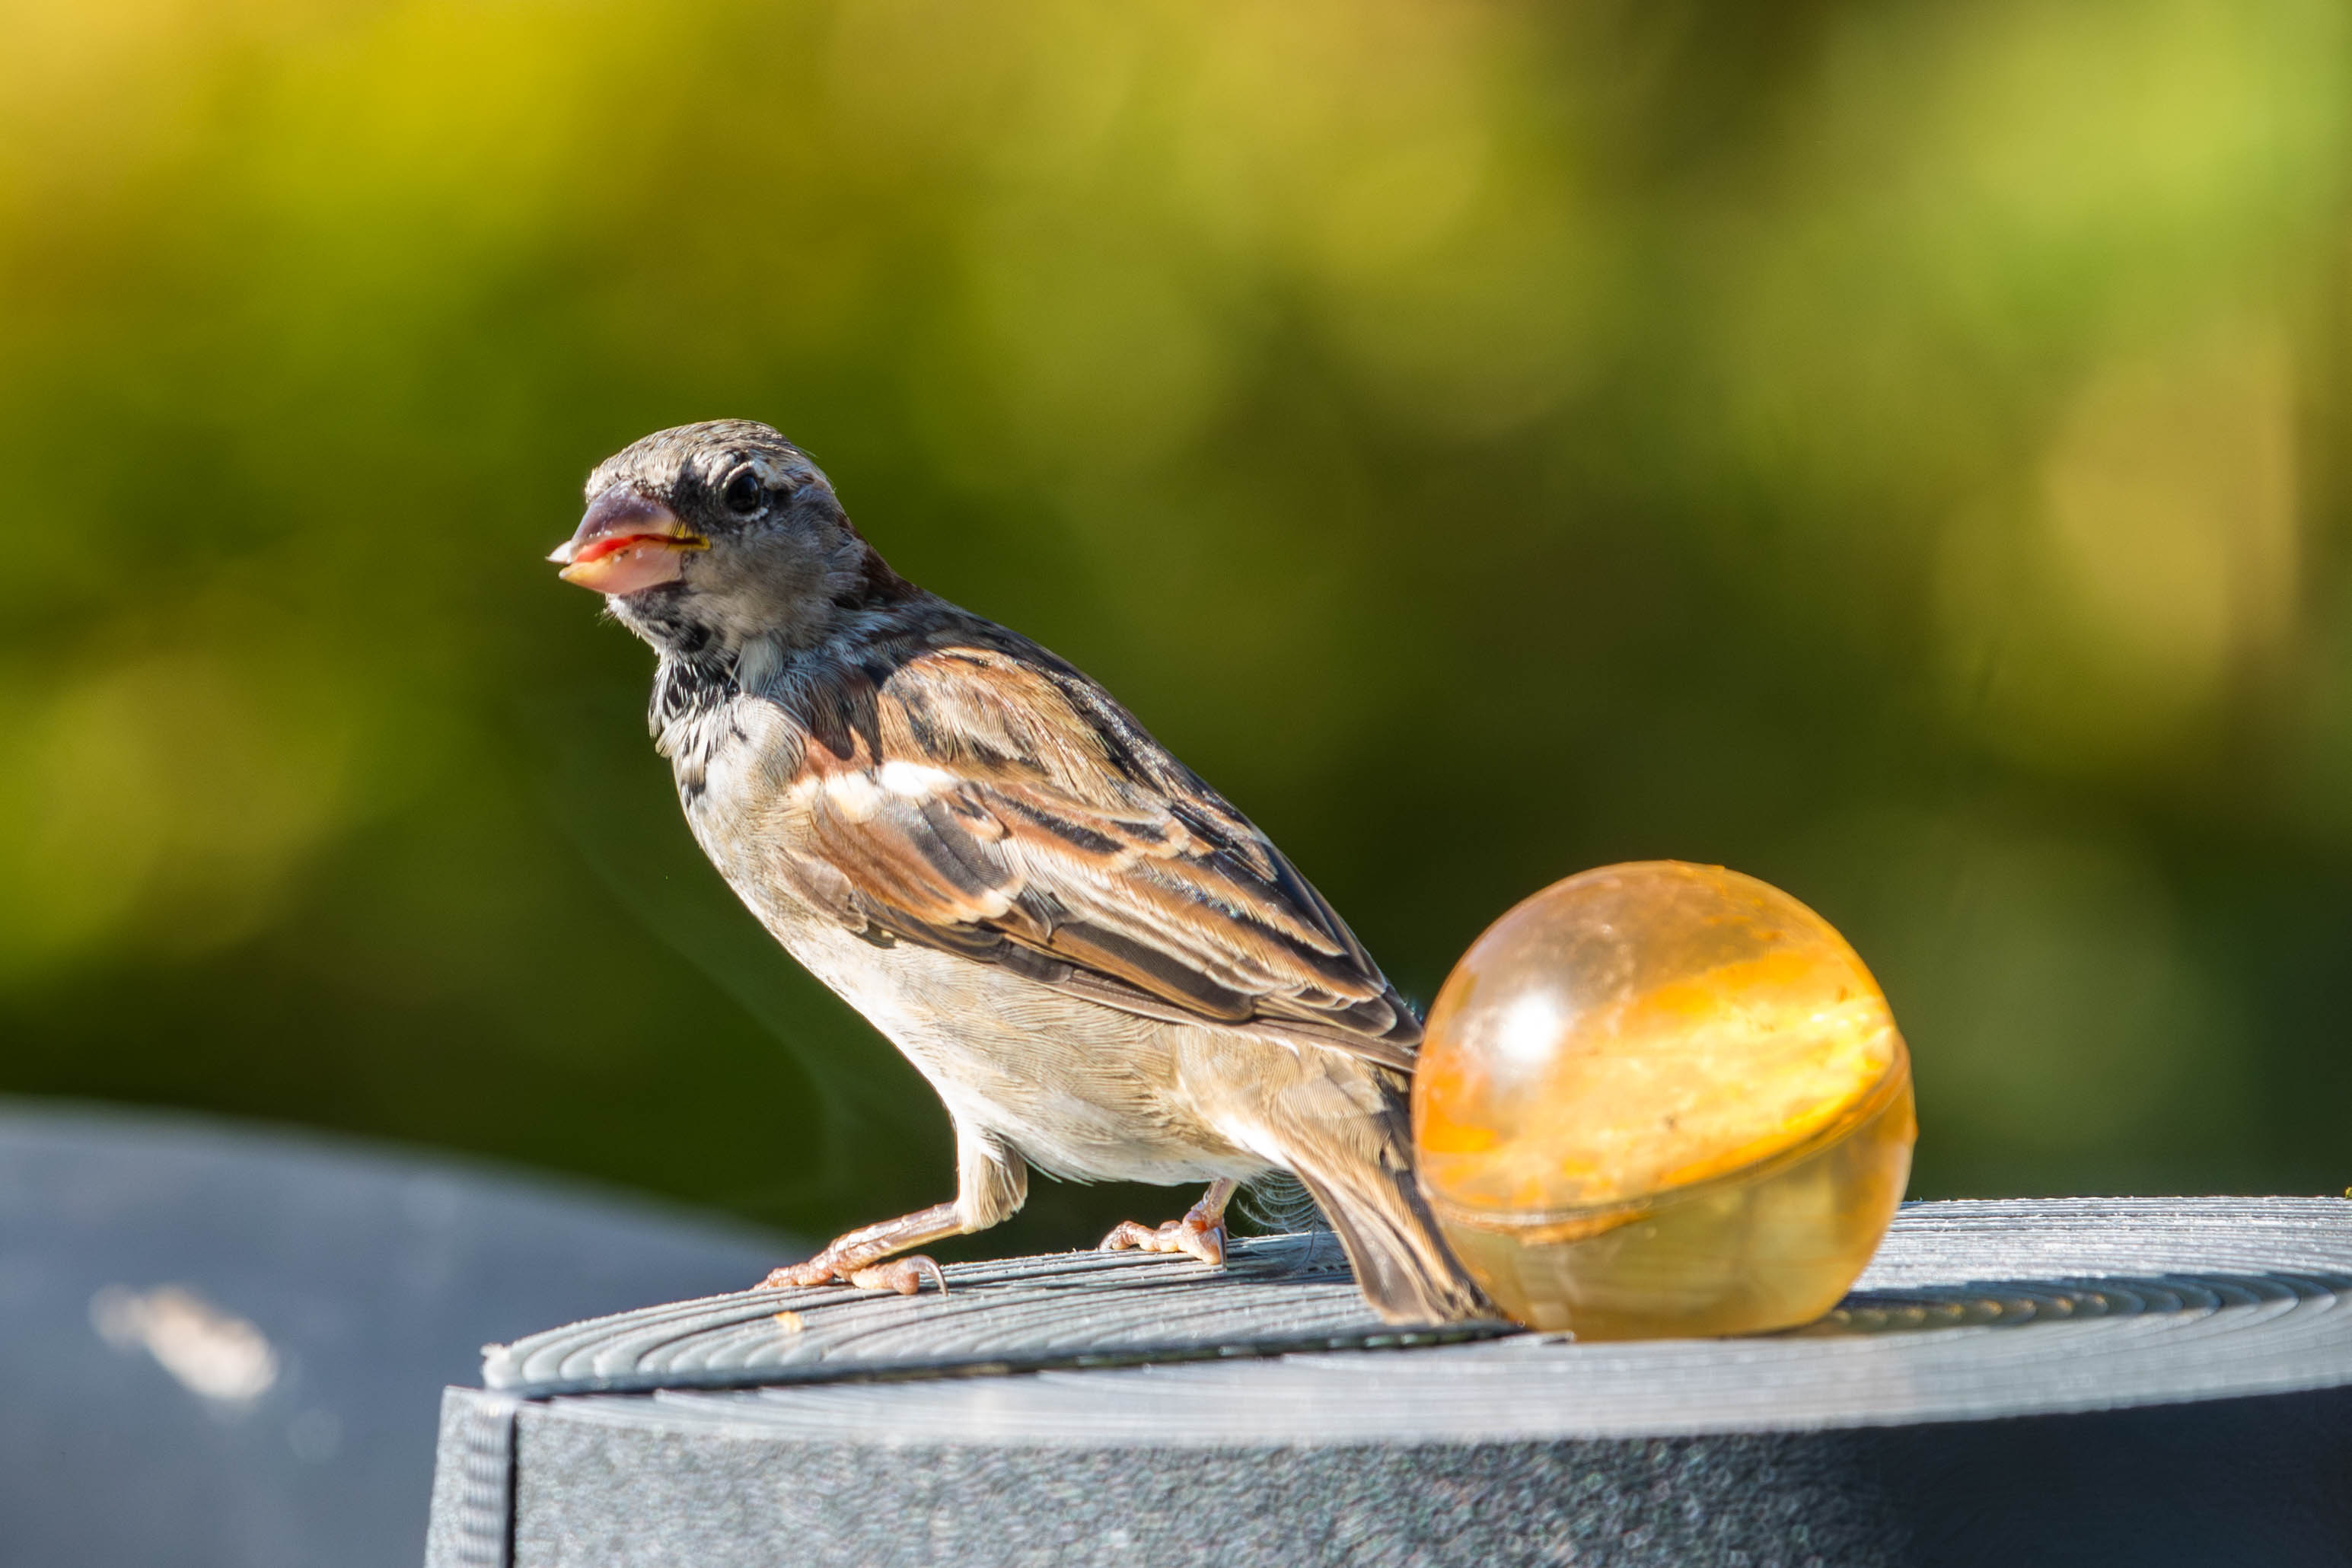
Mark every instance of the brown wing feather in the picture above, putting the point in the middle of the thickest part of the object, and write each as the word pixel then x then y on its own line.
pixel 993 803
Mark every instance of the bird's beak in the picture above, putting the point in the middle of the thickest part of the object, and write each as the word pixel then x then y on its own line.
pixel 627 542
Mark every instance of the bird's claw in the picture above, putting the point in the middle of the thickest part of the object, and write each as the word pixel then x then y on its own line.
pixel 904 1275
pixel 1204 1239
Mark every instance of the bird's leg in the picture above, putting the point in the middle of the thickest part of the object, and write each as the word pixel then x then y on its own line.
pixel 1201 1231
pixel 858 1258
pixel 991 1184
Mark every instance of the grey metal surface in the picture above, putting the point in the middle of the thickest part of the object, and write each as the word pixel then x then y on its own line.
pixel 2143 1380
pixel 472 1523
pixel 2258 1481
pixel 1970 1309
pixel 224 1345
pixel 1274 1294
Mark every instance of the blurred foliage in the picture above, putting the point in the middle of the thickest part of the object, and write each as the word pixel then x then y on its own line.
pixel 1895 449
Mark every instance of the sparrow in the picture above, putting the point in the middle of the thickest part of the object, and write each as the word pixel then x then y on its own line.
pixel 1106 971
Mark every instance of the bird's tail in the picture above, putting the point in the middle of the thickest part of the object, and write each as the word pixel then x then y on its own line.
pixel 1368 1194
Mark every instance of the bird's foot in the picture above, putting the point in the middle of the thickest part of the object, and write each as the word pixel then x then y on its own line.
pixel 857 1258
pixel 1198 1234
pixel 904 1275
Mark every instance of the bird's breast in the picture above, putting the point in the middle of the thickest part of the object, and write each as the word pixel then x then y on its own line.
pixel 1079 1089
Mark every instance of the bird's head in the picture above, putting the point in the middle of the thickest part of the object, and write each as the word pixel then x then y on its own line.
pixel 709 535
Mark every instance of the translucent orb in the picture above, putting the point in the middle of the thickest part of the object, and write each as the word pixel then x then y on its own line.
pixel 1662 1099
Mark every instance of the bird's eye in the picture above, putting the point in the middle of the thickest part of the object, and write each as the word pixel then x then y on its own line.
pixel 744 495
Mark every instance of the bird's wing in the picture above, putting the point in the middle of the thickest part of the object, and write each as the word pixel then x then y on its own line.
pixel 993 803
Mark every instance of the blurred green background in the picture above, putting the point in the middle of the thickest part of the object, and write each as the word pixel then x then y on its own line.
pixel 1895 449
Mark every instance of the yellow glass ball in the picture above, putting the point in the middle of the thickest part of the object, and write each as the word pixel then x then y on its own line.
pixel 1662 1099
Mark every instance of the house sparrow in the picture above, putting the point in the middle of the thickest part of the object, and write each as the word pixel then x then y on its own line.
pixel 1105 971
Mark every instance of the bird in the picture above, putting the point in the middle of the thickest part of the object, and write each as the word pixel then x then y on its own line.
pixel 1105 971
